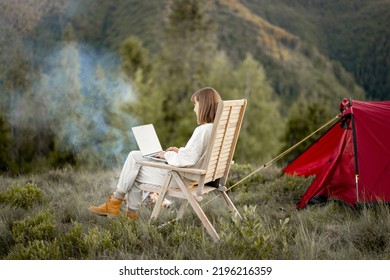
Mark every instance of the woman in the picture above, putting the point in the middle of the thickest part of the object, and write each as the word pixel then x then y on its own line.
pixel 192 155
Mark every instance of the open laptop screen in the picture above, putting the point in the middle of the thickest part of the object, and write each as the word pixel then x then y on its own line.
pixel 147 139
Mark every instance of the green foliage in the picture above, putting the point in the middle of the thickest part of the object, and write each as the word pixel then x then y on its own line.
pixel 239 171
pixel 305 117
pixel 122 230
pixel 5 145
pixel 351 32
pixel 180 69
pixel 254 238
pixel 134 56
pixel 25 196
pixel 188 46
pixel 72 243
pixel 6 240
pixel 62 159
pixel 98 240
pixel 271 228
pixel 247 239
pixel 35 250
pixel 263 125
pixel 38 227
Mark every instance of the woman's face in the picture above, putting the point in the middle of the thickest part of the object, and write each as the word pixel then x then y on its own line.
pixel 196 108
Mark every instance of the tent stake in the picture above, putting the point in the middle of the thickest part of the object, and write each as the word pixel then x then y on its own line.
pixel 357 187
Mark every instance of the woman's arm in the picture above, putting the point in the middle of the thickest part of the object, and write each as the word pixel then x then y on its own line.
pixel 194 149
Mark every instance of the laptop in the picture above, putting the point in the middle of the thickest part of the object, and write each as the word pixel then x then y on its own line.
pixel 147 141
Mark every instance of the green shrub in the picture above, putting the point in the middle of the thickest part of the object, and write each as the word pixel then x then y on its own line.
pixel 254 238
pixel 72 244
pixel 124 233
pixel 247 238
pixel 35 250
pixel 98 240
pixel 25 196
pixel 6 241
pixel 240 171
pixel 39 227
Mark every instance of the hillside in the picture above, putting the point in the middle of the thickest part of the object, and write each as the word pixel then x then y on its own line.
pixel 294 67
pixel 354 33
pixel 289 59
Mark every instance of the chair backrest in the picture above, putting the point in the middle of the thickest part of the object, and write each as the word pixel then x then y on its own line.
pixel 227 125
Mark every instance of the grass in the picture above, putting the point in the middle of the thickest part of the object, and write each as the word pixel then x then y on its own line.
pixel 45 216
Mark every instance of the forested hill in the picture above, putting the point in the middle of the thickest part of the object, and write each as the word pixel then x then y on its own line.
pixel 353 33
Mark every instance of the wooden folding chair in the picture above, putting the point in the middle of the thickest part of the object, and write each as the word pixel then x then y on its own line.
pixel 219 156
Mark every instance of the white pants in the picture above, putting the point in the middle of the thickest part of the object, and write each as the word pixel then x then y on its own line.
pixel 133 175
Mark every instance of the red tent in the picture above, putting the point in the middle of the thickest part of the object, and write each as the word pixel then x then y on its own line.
pixel 351 161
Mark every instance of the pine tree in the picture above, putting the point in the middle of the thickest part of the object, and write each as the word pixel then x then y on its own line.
pixel 182 66
pixel 188 47
pixel 134 57
pixel 305 117
pixel 263 125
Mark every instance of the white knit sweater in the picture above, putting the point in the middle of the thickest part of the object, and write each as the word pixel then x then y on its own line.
pixel 192 155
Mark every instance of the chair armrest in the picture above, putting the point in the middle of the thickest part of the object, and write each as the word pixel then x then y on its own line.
pixel 174 168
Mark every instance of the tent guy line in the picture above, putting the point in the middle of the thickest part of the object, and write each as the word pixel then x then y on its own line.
pixel 281 155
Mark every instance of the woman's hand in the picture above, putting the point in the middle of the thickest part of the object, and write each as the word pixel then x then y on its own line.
pixel 173 149
pixel 160 154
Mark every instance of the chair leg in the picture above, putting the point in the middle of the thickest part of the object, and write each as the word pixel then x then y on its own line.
pixel 160 200
pixel 198 210
pixel 230 204
pixel 183 207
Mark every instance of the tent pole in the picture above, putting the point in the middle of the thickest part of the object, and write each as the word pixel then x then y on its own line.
pixel 355 152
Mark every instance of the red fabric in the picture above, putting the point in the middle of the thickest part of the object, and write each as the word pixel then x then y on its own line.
pixel 372 124
pixel 318 155
pixel 331 158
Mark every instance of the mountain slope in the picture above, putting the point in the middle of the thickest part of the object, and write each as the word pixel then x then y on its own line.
pixel 294 66
pixel 272 38
pixel 355 33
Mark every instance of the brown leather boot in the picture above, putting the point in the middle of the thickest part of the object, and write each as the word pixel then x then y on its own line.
pixel 132 216
pixel 110 208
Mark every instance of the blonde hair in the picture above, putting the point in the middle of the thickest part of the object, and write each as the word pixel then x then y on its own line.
pixel 208 99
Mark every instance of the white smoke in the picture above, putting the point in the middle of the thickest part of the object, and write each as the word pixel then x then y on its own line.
pixel 80 96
